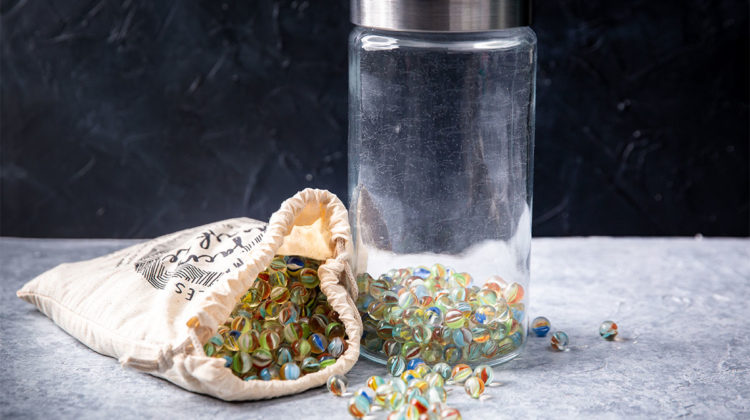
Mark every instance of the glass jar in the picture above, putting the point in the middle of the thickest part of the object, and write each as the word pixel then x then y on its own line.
pixel 441 135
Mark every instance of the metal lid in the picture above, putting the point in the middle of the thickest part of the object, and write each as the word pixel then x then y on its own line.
pixel 441 15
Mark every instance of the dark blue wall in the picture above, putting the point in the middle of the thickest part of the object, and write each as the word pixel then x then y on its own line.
pixel 137 118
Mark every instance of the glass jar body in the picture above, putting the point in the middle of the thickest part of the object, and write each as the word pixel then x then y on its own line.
pixel 441 134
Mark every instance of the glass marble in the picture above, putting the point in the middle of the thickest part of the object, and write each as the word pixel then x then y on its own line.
pixel 608 330
pixel 318 343
pixel 461 279
pixel 392 348
pixel 559 341
pixel 335 329
pixel 367 393
pixel 270 340
pixel 336 385
pixel 413 363
pixel 292 332
pixel 411 412
pixel 462 337
pixel 284 355
pixel 247 342
pixel 433 316
pixel 230 343
pixel 373 382
pixel 513 293
pixel 269 373
pixel 434 379
pixel 261 358
pixel 301 348
pixel 378 288
pixel 474 387
pixel 420 403
pixel 396 365
pixel 310 365
pixel 294 265
pixel 484 314
pixel 408 375
pixel 432 353
pixel 402 333
pixel 480 334
pixel 279 294
pixel 449 413
pixel 309 278
pixel 540 326
pixel 359 406
pixel 443 369
pixel 382 393
pixel 290 371
pixel 422 334
pixel 487 297
pixel 336 347
pixel 485 374
pixel 326 360
pixel 411 350
pixel 288 313
pixel 454 319
pixel 422 370
pixel 452 353
pixel 460 373
pixel 318 323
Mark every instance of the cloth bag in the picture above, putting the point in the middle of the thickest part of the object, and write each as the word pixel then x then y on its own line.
pixel 154 304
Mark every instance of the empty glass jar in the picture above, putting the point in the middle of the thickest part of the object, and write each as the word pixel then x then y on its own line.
pixel 441 135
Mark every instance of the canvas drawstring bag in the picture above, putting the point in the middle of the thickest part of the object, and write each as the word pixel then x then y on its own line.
pixel 154 305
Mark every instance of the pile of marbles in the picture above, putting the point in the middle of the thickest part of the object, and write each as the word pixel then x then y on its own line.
pixel 283 327
pixel 436 314
pixel 417 392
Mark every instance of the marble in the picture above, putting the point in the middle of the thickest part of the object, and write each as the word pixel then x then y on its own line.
pixel 652 369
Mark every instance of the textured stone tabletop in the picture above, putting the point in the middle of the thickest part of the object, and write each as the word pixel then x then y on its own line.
pixel 681 304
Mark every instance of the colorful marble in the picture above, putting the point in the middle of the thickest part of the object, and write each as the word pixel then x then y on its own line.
pixel 454 319
pixel 359 406
pixel 336 347
pixel 375 381
pixel 336 385
pixel 608 330
pixel 449 413
pixel 540 326
pixel 396 365
pixel 443 369
pixel 485 374
pixel 460 373
pixel 318 343
pixel 474 387
pixel 559 341
pixel 290 371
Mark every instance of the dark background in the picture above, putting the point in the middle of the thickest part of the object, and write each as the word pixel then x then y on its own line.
pixel 138 118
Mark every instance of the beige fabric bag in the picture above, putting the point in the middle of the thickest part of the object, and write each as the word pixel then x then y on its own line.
pixel 154 304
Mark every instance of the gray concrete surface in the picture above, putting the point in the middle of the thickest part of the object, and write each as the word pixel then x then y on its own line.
pixel 682 307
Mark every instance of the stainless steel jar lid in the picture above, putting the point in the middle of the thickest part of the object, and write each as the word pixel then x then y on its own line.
pixel 441 15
